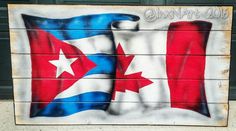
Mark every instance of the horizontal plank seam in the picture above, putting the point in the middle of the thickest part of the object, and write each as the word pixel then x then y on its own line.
pixel 142 29
pixel 46 54
pixel 114 78
pixel 120 102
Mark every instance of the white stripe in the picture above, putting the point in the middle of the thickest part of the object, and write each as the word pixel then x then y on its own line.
pixel 154 42
pixel 152 66
pixel 93 45
pixel 88 85
pixel 141 42
pixel 216 91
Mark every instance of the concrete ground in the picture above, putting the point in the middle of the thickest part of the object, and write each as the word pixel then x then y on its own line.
pixel 7 123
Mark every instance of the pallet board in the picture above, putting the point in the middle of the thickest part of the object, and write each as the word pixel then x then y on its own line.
pixel 161 65
pixel 218 42
pixel 216 90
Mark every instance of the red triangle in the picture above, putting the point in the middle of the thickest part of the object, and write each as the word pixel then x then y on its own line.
pixel 132 82
pixel 45 85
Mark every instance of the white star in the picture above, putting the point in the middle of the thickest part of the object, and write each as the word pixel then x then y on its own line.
pixel 63 64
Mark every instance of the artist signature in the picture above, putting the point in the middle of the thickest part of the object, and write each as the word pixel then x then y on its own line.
pixel 152 14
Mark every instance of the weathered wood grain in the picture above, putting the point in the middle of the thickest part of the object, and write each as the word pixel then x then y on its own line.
pixel 220 22
pixel 152 66
pixel 152 104
pixel 157 116
pixel 216 90
pixel 133 42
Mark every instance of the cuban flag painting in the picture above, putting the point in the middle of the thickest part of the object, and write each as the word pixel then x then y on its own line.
pixel 77 64
pixel 68 64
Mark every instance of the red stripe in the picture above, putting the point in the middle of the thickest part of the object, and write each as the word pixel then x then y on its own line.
pixel 186 39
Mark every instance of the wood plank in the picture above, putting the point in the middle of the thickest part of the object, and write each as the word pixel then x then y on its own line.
pixel 6 92
pixel 200 2
pixel 151 66
pixel 95 1
pixel 5 48
pixel 3 20
pixel 4 3
pixel 153 2
pixel 3 13
pixel 133 42
pixel 4 35
pixel 178 87
pixel 234 19
pixel 166 116
pixel 4 27
pixel 5 60
pixel 232 95
pixel 158 91
pixel 6 82
pixel 221 22
pixel 5 70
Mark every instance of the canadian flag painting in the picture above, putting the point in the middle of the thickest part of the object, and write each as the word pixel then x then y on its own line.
pixel 84 64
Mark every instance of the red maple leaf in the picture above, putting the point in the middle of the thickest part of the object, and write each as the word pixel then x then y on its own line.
pixel 132 82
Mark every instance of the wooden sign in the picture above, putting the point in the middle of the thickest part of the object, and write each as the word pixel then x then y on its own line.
pixel 81 64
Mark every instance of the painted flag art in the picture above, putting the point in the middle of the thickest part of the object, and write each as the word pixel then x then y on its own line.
pixel 77 64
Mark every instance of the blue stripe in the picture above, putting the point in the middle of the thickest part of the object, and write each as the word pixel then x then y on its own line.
pixel 71 105
pixel 77 27
pixel 105 64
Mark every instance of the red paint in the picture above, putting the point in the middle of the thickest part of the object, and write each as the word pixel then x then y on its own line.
pixel 46 90
pixel 132 82
pixel 187 38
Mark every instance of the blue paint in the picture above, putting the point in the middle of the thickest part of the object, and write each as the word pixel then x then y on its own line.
pixel 77 27
pixel 74 104
pixel 105 64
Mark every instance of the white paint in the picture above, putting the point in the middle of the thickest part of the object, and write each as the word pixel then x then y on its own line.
pixel 8 123
pixel 139 115
pixel 152 66
pixel 93 45
pixel 55 11
pixel 140 42
pixel 88 84
pixel 63 64
pixel 143 108
pixel 216 90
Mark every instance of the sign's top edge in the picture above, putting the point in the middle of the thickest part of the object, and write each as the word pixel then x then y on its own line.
pixel 119 5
